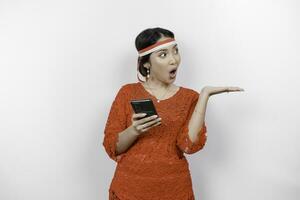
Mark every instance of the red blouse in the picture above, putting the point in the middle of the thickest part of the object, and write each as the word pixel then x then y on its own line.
pixel 154 167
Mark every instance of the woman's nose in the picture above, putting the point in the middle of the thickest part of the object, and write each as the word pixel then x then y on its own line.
pixel 172 59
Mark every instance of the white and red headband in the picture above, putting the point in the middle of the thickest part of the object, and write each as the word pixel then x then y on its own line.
pixel 157 46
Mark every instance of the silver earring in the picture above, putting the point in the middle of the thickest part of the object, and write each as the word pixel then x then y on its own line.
pixel 148 73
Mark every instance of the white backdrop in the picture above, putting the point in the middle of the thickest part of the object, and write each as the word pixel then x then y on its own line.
pixel 63 61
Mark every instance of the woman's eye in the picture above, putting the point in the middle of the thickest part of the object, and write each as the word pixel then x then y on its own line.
pixel 162 54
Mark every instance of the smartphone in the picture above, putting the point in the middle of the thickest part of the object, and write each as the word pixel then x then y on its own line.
pixel 144 106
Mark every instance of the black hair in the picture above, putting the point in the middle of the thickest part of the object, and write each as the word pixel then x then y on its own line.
pixel 147 38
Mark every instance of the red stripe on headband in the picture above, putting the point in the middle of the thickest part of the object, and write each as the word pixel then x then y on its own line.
pixel 156 44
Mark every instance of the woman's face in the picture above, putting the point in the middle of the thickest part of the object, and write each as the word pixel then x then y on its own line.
pixel 164 63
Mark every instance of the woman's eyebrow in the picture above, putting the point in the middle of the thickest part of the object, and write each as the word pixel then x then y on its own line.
pixel 167 49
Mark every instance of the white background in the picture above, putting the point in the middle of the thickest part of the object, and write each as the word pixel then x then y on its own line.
pixel 63 61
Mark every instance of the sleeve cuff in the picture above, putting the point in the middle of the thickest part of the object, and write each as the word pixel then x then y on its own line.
pixel 189 147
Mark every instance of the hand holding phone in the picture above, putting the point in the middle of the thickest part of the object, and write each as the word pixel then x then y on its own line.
pixel 145 116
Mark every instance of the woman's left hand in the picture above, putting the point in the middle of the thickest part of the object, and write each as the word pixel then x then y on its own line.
pixel 209 90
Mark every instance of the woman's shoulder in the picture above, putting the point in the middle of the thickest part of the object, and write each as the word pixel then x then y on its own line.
pixel 190 91
pixel 128 86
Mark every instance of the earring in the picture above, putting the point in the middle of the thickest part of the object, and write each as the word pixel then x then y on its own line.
pixel 148 73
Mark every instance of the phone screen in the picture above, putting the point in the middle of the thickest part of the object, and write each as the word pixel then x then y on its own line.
pixel 143 106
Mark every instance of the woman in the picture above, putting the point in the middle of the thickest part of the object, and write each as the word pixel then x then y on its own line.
pixel 149 151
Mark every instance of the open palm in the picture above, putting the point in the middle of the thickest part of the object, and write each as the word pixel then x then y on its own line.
pixel 210 90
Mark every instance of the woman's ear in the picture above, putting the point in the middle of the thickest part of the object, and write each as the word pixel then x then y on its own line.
pixel 147 65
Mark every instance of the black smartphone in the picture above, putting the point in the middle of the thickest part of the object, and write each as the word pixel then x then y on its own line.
pixel 144 106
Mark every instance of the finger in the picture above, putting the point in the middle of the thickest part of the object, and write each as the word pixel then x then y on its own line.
pixel 147 119
pixel 157 124
pixel 140 128
pixel 151 122
pixel 138 115
pixel 235 89
pixel 146 129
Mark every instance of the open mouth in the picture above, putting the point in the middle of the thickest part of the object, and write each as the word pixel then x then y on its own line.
pixel 173 73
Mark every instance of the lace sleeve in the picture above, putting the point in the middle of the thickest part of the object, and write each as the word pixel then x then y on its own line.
pixel 115 124
pixel 183 140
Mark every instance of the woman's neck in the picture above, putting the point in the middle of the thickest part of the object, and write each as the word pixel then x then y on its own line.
pixel 155 84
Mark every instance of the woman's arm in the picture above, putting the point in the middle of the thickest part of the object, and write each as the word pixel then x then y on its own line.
pixel 137 128
pixel 197 119
pixel 126 138
pixel 198 116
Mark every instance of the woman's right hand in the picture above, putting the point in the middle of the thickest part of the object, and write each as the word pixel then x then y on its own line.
pixel 141 125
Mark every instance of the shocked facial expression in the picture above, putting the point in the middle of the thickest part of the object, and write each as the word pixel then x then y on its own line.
pixel 163 63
